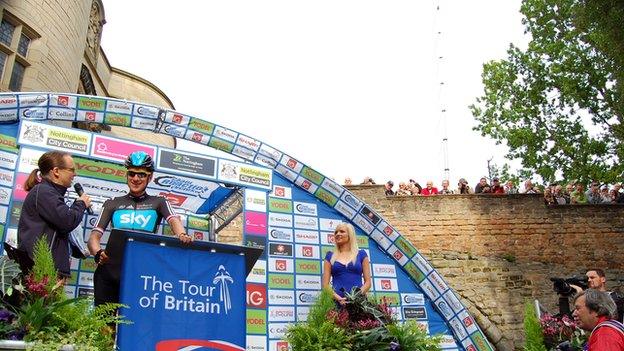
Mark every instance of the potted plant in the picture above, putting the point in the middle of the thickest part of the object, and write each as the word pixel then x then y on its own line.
pixel 35 313
pixel 551 332
pixel 362 324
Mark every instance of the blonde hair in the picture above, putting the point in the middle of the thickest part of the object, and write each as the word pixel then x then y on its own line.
pixel 353 245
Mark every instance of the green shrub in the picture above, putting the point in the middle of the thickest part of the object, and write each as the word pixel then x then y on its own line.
pixel 361 325
pixel 323 304
pixel 41 313
pixel 411 336
pixel 532 329
pixel 325 337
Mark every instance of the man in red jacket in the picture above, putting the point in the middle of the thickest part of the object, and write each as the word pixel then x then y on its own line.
pixel 429 190
pixel 595 311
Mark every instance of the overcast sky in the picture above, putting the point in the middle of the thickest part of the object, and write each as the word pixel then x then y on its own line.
pixel 349 87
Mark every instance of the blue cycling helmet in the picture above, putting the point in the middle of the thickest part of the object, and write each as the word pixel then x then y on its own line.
pixel 140 159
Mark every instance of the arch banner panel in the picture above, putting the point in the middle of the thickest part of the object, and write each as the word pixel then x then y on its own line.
pixel 305 185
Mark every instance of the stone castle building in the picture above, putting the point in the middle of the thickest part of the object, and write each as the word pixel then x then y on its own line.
pixel 54 46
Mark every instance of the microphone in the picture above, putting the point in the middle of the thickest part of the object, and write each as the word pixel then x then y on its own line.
pixel 79 190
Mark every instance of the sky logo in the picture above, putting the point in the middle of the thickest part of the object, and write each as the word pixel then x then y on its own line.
pixel 144 220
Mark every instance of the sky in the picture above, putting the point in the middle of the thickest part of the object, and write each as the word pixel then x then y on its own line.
pixel 352 88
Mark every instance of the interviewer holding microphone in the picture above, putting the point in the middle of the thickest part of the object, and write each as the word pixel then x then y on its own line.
pixel 45 212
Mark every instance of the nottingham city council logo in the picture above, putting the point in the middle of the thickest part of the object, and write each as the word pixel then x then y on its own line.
pixel 223 278
pixel 33 134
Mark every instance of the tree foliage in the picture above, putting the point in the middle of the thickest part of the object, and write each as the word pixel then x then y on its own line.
pixel 559 104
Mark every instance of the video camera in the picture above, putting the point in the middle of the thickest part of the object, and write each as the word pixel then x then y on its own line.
pixel 562 285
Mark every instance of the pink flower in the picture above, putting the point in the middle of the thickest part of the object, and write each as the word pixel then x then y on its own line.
pixel 37 288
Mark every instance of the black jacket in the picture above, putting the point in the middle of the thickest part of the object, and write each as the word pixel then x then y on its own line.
pixel 44 212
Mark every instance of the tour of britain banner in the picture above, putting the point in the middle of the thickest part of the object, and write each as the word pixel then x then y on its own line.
pixel 183 299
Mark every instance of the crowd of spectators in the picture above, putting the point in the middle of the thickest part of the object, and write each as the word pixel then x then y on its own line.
pixel 575 193
pixel 554 194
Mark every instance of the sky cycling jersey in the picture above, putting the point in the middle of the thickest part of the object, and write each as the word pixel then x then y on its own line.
pixel 143 213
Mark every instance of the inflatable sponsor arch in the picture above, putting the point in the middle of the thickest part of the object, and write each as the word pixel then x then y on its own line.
pixel 290 210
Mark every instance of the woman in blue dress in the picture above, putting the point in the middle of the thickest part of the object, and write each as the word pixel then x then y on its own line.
pixel 347 266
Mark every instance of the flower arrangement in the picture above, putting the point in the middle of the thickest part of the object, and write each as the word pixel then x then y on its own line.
pixel 362 324
pixel 551 332
pixel 561 329
pixel 34 308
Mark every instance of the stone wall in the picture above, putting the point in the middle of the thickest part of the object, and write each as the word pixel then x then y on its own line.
pixel 499 251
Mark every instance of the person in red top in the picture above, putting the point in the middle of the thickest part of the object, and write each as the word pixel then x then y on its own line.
pixel 429 190
pixel 595 311
pixel 497 188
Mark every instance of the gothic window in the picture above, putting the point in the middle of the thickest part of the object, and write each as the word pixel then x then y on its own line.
pixel 6 32
pixel 22 46
pixel 17 76
pixel 16 38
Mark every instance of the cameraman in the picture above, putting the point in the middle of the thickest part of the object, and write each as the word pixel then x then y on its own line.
pixel 596 279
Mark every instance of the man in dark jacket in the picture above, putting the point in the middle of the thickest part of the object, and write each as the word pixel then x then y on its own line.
pixel 45 212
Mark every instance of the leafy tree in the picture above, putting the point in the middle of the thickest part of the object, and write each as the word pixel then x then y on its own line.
pixel 559 104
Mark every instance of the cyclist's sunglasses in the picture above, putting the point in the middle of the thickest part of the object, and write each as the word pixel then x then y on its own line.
pixel 141 175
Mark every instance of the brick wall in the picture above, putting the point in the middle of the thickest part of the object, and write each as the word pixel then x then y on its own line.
pixel 499 251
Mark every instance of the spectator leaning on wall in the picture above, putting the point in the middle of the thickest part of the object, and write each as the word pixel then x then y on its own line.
pixel 482 187
pixel 388 188
pixel 463 187
pixel 510 188
pixel 497 188
pixel 429 190
pixel 578 195
pixel 445 188
pixel 561 198
pixel 593 195
pixel 529 188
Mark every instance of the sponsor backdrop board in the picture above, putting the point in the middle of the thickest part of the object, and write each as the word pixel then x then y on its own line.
pixel 296 231
pixel 102 175
pixel 284 219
